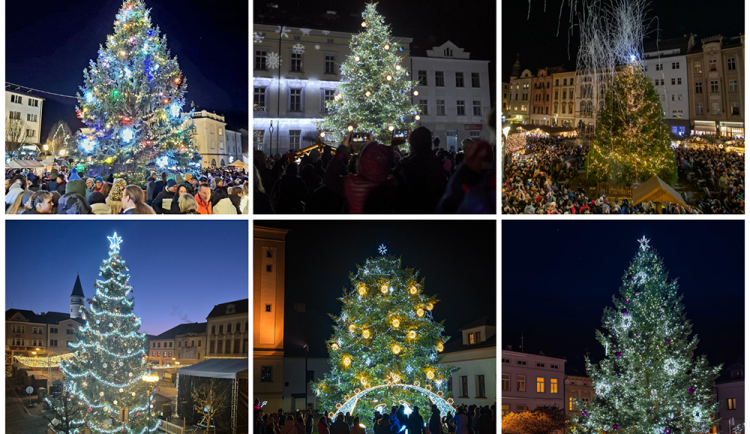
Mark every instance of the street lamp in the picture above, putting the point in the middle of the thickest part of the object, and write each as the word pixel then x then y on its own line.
pixel 307 350
pixel 150 379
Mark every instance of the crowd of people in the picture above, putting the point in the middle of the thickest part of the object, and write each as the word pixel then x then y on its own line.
pixel 211 191
pixel 378 179
pixel 538 182
pixel 467 420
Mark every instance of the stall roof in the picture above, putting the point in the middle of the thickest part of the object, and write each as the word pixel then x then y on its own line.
pixel 216 368
pixel 656 190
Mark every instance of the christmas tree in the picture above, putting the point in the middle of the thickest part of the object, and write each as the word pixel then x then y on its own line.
pixel 385 335
pixel 650 380
pixel 109 365
pixel 632 143
pixel 132 98
pixel 375 94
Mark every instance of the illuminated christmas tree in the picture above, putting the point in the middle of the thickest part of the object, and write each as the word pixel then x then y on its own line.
pixel 384 350
pixel 375 93
pixel 632 143
pixel 106 373
pixel 132 98
pixel 650 381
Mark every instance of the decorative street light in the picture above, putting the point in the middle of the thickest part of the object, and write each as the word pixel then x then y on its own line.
pixel 150 379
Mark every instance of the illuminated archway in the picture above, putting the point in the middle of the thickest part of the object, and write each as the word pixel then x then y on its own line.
pixel 443 405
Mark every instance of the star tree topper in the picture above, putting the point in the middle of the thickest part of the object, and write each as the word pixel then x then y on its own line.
pixel 382 249
pixel 114 241
pixel 644 243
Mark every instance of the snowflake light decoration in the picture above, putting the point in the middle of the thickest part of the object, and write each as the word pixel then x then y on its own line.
pixel 640 278
pixel 602 389
pixel 162 161
pixel 626 321
pixel 273 59
pixel 671 367
pixel 644 243
pixel 258 37
pixel 382 249
pixel 317 46
pixel 298 49
pixel 305 31
pixel 283 32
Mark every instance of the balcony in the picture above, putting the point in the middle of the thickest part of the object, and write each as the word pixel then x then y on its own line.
pixel 260 109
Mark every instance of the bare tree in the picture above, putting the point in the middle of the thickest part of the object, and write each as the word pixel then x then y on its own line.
pixel 64 411
pixel 209 401
pixel 16 134
pixel 60 137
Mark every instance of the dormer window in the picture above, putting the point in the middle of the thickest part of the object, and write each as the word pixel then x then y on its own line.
pixel 230 310
pixel 448 52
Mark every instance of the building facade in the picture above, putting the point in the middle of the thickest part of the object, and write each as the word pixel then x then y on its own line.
pixel 227 330
pixel 541 96
pixel 297 383
pixel 268 314
pixel 210 138
pixel 563 99
pixel 184 344
pixel 716 78
pixel 454 94
pixel 506 97
pixel 666 65
pixel 730 392
pixel 234 146
pixel 23 116
pixel 531 380
pixel 476 357
pixel 520 102
pixel 580 388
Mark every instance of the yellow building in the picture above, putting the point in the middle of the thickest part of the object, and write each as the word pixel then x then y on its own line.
pixel 563 99
pixel 268 315
pixel 580 388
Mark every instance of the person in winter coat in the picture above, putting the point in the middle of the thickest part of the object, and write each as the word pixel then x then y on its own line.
pixel 219 192
pixel 75 185
pixel 168 193
pixel 289 427
pixel 17 187
pixel 420 176
pixel 460 420
pixel 356 428
pixel 72 203
pixel 447 422
pixel 89 187
pixel 384 426
pixel 299 424
pixel 435 423
pixel 114 200
pixel 134 201
pixel 99 185
pixel 323 426
pixel 187 204
pixel 372 190
pixel 340 426
pixel 289 192
pixel 98 204
pixel 402 417
pixel 415 425
pixel 150 184
pixel 483 424
pixel 41 203
pixel 203 199
pixel 159 185
pixel 61 183
pixel 225 206
pixel 52 184
pixel 174 208
pixel 21 203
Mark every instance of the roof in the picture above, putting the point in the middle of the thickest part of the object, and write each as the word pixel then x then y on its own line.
pixel 656 190
pixel 77 288
pixel 727 42
pixel 196 327
pixel 488 320
pixel 726 372
pixel 230 308
pixel 58 317
pixel 43 318
pixel 667 44
pixel 456 345
pixel 216 368
pixel 27 314
pixel 25 91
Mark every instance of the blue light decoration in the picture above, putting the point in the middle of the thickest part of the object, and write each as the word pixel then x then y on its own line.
pixel 127 135
pixel 114 241
pixel 89 96
pixel 162 161
pixel 174 110
pixel 400 48
pixel 88 144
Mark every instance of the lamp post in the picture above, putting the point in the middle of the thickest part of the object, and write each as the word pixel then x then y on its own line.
pixel 150 379
pixel 307 350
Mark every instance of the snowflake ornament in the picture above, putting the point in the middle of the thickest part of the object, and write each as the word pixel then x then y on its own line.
pixel 382 249
pixel 640 278
pixel 258 37
pixel 644 243
pixel 273 59
pixel 305 31
pixel 298 49
pixel 283 32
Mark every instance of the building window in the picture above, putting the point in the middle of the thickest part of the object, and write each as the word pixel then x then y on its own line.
pixel 732 404
pixel 735 108
pixel 328 95
pixel 506 360
pixel 459 79
pixel 423 106
pixel 33 102
pixel 236 346
pixel 733 85
pixel 506 382
pixel 714 86
pixel 422 76
pixel 480 386
pixel 553 385
pixel 464 386
pixel 521 383
pixel 14 116
pixel 697 67
pixel 557 107
pixel 294 141
pixel 439 79
pixel 460 108
pixel 266 374
pixel 505 409
pixel 659 67
pixel 441 107
pixel 16 99
pixel 213 329
pixel 31 117
pixel 523 108
pixel 540 365
pixel 679 80
pixel 53 330
pixel 572 404
pixel 698 87
pixel 260 60
pixel 53 342
pixel 449 386
pixel 259 97
pixel 296 65
pixel 229 328
pixel 712 65
pixel 673 80
pixel 676 113
pixel 478 337
pixel 268 307
pixel 715 108
pixel 474 79
pixel 675 65
pixel 731 64
pixel 540 384
pixel 30 133
pixel 295 100
pixel 522 362
pixel 330 64
pixel 471 338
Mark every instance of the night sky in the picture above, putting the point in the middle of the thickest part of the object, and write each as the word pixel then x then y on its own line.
pixel 558 277
pixel 456 258
pixel 49 43
pixel 539 44
pixel 470 25
pixel 179 269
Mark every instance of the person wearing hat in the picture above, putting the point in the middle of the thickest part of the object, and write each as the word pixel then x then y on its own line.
pixel 98 204
pixel 150 184
pixel 220 191
pixel 89 187
pixel 158 203
pixel 98 185
pixel 75 185
pixel 420 176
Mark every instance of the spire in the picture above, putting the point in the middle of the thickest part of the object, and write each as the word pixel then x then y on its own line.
pixel 517 67
pixel 77 288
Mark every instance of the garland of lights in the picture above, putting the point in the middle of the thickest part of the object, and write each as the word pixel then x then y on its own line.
pixel 445 406
pixel 43 362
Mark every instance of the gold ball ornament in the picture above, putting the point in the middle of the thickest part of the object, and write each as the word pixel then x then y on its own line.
pixel 398 67
pixel 391 127
pixel 413 290
pixel 412 334
pixel 417 117
pixel 362 290
pixel 323 134
pixel 366 334
pixel 416 93
pixel 356 58
pixel 335 347
pixel 384 289
pixel 386 47
pixel 347 361
pixel 363 381
pixel 101 393
pixel 396 349
pixel 352 328
pixel 389 77
pixel 440 347
pixel 121 390
pixel 420 312
pixel 430 375
pixel 429 306
pixel 395 323
pixel 350 128
pixel 368 93
pixel 364 24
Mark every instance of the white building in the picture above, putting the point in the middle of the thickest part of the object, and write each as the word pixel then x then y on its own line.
pixel 210 138
pixel 531 380
pixel 476 357
pixel 23 112
pixel 730 392
pixel 667 68
pixel 454 94
pixel 288 99
pixel 297 383
pixel 234 145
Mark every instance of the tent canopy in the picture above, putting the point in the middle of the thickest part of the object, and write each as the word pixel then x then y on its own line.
pixel 216 368
pixel 25 164
pixel 657 191
pixel 237 163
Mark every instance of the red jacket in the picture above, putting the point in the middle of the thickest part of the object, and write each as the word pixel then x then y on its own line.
pixel 203 207
pixel 372 189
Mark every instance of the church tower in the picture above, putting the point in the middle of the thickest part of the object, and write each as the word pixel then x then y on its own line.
pixel 516 67
pixel 76 299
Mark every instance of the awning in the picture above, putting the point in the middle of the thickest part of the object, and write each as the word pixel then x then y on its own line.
pixel 216 368
pixel 238 163
pixel 657 191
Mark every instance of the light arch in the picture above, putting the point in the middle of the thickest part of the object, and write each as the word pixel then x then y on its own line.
pixel 443 405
